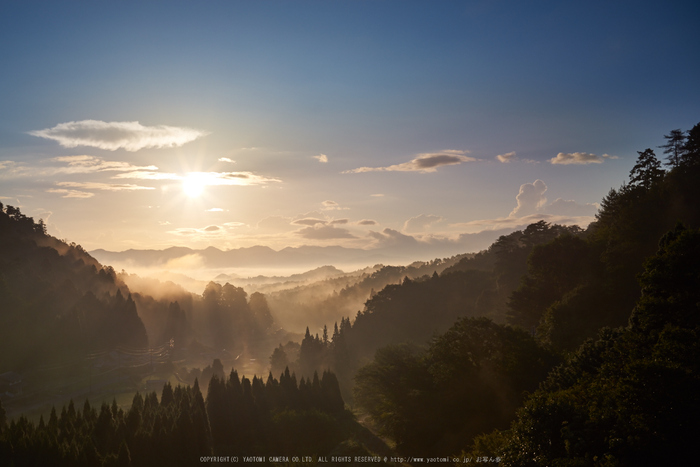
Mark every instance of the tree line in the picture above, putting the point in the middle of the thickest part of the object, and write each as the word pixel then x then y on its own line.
pixel 238 417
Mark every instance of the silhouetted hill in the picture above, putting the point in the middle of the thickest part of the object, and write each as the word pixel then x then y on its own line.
pixel 55 298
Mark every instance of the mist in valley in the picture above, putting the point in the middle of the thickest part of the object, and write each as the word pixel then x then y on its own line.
pixel 302 233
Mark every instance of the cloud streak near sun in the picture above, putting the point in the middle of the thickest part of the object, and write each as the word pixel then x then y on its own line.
pixel 425 162
pixel 111 136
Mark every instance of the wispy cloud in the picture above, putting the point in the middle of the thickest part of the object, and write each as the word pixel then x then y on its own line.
pixel 82 164
pixel 91 164
pixel 12 169
pixel 579 158
pixel 321 158
pixel 203 178
pixel 329 205
pixel 367 222
pixel 148 175
pixel 215 210
pixel 104 186
pixel 226 159
pixel 426 162
pixel 71 193
pixel 207 232
pixel 111 136
pixel 507 157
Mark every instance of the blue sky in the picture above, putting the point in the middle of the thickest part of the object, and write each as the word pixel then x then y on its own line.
pixel 426 93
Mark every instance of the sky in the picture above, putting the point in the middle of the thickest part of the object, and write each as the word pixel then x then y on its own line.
pixel 367 124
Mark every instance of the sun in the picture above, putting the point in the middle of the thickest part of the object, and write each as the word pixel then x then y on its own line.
pixel 193 184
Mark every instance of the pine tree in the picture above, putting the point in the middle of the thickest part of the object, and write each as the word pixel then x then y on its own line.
pixel 647 171
pixel 674 147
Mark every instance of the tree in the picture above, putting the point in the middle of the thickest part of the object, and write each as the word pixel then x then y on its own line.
pixel 629 397
pixel 691 149
pixel 647 171
pixel 674 147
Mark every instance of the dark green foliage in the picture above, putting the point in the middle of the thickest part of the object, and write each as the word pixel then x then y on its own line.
pixel 629 398
pixel 470 380
pixel 239 416
pixel 573 288
pixel 554 269
pixel 647 171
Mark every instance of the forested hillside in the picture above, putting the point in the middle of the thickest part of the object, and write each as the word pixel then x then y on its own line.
pixel 56 300
pixel 563 287
pixel 417 309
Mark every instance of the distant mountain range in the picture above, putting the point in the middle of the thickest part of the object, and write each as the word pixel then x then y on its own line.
pixel 256 256
pixel 402 249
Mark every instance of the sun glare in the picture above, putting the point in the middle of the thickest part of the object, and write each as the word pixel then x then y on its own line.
pixel 193 184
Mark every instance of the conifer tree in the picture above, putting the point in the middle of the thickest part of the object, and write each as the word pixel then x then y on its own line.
pixel 674 147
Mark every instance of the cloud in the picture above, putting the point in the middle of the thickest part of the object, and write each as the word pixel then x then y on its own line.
pixel 234 225
pixel 324 232
pixel 426 162
pixel 378 195
pixel 563 207
pixel 111 136
pixel 321 158
pixel 215 210
pixel 203 178
pixel 226 159
pixel 309 221
pixel 142 175
pixel 91 164
pixel 329 205
pixel 367 222
pixel 12 169
pixel 104 186
pixel 579 158
pixel 339 222
pixel 71 193
pixel 210 231
pixel 530 198
pixel 233 178
pixel 390 238
pixel 505 158
pixel 82 164
pixel 420 223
